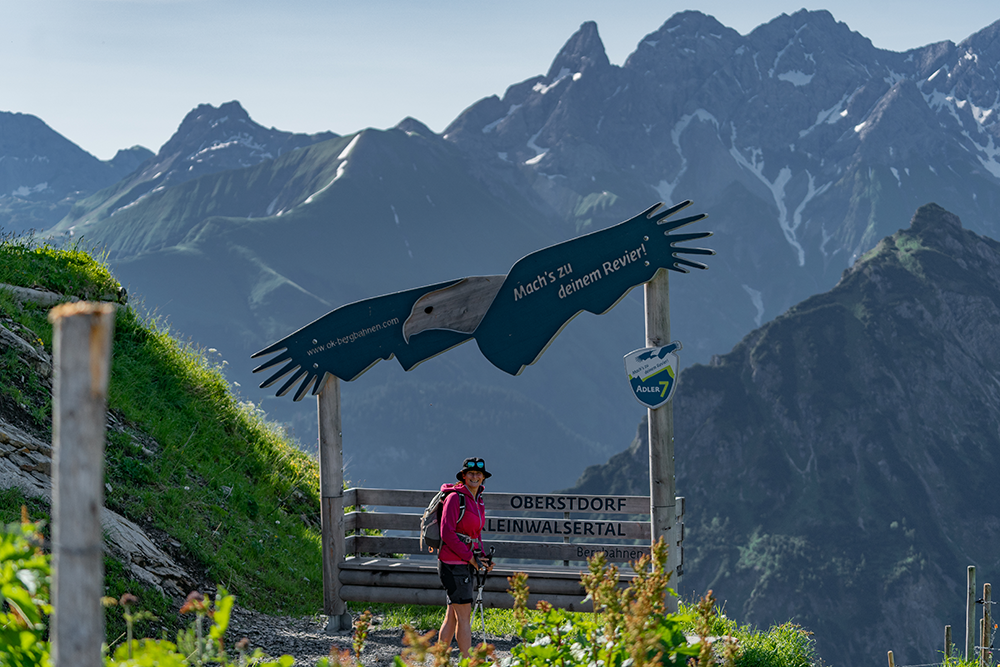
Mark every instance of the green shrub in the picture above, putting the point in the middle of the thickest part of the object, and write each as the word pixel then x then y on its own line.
pixel 25 577
pixel 631 624
pixel 24 588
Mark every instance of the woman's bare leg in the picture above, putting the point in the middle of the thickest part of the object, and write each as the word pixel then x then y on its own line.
pixel 463 633
pixel 448 625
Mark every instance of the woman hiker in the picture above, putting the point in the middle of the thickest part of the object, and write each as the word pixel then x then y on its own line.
pixel 462 550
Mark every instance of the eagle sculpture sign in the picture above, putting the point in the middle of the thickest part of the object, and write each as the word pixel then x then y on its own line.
pixel 513 318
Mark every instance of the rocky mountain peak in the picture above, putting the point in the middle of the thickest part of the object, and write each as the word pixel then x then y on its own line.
pixel 688 22
pixel 584 50
pixel 128 159
pixel 411 124
pixel 692 33
pixel 206 122
pixel 933 220
pixel 819 23
pixel 228 111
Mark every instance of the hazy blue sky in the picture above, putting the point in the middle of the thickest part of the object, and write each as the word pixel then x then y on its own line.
pixel 109 74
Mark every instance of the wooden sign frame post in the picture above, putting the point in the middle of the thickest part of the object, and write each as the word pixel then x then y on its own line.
pixel 662 482
pixel 331 488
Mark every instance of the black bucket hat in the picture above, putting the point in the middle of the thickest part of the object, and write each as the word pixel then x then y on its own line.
pixel 473 465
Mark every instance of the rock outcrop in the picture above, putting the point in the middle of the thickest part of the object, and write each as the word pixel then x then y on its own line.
pixel 26 464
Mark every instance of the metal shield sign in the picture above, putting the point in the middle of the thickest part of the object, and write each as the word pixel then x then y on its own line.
pixel 652 373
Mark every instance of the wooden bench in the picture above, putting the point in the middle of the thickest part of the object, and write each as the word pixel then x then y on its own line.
pixel 550 531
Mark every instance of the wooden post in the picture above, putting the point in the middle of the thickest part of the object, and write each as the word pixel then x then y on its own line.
pixel 985 657
pixel 892 661
pixel 662 484
pixel 982 642
pixel 82 344
pixel 947 642
pixel 331 487
pixel 566 539
pixel 970 614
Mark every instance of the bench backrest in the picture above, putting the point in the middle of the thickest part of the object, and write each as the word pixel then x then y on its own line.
pixel 549 527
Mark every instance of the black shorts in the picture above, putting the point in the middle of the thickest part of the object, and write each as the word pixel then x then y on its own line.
pixel 457 580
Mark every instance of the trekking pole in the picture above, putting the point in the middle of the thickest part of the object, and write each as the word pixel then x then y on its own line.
pixel 481 582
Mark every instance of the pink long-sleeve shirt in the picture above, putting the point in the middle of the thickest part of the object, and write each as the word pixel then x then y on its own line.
pixel 453 549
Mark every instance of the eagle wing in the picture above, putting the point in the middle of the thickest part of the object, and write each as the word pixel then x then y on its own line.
pixel 351 339
pixel 545 290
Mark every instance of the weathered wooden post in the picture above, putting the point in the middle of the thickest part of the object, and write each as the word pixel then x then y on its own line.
pixel 970 614
pixel 662 484
pixel 892 660
pixel 82 335
pixel 985 658
pixel 331 487
pixel 947 642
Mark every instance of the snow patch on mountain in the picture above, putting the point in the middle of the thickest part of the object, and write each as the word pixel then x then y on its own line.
pixel 350 147
pixel 796 77
pixel 541 88
pixel 539 151
pixel 939 101
pixel 757 299
pixel 828 116
pixel 894 77
pixel 811 193
pixel 241 139
pixel 341 170
pixel 791 42
pixel 492 126
pixel 406 243
pixel 24 190
pixel 755 165
pixel 127 206
pixel 666 188
pixel 987 155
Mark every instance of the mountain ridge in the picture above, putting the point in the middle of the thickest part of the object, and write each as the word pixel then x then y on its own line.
pixel 792 203
pixel 208 141
pixel 42 173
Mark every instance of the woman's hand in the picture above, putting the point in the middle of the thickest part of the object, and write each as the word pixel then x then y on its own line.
pixel 481 564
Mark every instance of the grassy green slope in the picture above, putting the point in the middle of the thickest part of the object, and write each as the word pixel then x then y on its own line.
pixel 230 489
